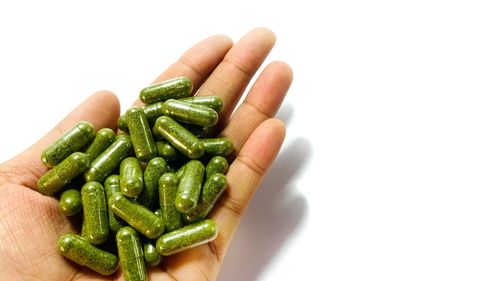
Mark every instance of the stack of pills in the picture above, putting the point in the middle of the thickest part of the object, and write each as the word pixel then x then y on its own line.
pixel 147 189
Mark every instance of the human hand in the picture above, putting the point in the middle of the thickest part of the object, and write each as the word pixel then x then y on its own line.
pixel 31 223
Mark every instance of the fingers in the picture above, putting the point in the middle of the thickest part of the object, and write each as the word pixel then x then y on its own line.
pixel 233 74
pixel 262 102
pixel 101 109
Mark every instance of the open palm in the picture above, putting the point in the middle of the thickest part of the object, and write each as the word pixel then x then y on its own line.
pixel 31 223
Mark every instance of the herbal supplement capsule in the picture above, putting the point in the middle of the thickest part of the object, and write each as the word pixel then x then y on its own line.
pixel 131 177
pixel 140 134
pixel 214 102
pixel 121 123
pixel 138 216
pixel 217 164
pixel 166 150
pixel 218 146
pixel 149 195
pixel 63 173
pixel 180 172
pixel 179 137
pixel 131 255
pixel 110 159
pixel 103 138
pixel 170 89
pixel 168 190
pixel 190 113
pixel 189 188
pixel 71 141
pixel 83 253
pixel 70 202
pixel 151 255
pixel 211 191
pixel 95 212
pixel 187 237
pixel 197 131
pixel 112 186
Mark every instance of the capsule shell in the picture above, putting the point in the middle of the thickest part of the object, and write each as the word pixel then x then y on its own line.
pixel 189 188
pixel 131 255
pixel 191 113
pixel 140 134
pixel 218 146
pixel 213 188
pixel 168 190
pixel 149 195
pixel 197 131
pixel 131 181
pixel 217 164
pixel 63 173
pixel 151 255
pixel 136 215
pixel 179 137
pixel 170 89
pixel 110 159
pixel 112 186
pixel 166 150
pixel 95 212
pixel 187 237
pixel 214 102
pixel 70 202
pixel 83 253
pixel 103 138
pixel 71 141
pixel 121 123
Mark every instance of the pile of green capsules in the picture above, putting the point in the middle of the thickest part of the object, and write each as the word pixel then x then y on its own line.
pixel 145 191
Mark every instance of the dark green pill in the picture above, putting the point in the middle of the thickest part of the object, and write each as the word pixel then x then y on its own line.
pixel 149 195
pixel 166 150
pixel 191 113
pixel 131 181
pixel 180 172
pixel 179 137
pixel 83 253
pixel 211 191
pixel 168 190
pixel 197 131
pixel 218 146
pixel 70 202
pixel 138 216
pixel 110 159
pixel 131 255
pixel 103 138
pixel 217 164
pixel 112 186
pixel 151 255
pixel 121 123
pixel 214 102
pixel 170 89
pixel 140 134
pixel 187 237
pixel 158 213
pixel 189 188
pixel 71 141
pixel 95 212
pixel 63 173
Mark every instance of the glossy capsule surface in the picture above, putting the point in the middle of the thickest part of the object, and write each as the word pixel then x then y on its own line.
pixel 95 212
pixel 112 186
pixel 103 138
pixel 166 150
pixel 140 134
pixel 70 202
pixel 131 181
pixel 212 189
pixel 218 146
pixel 189 188
pixel 217 164
pixel 191 113
pixel 187 237
pixel 62 174
pixel 169 89
pixel 179 137
pixel 168 190
pixel 214 102
pixel 131 254
pixel 151 255
pixel 149 195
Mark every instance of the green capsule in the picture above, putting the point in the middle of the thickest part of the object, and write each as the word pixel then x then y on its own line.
pixel 158 213
pixel 197 131
pixel 166 150
pixel 112 186
pixel 138 216
pixel 217 164
pixel 131 181
pixel 63 173
pixel 71 141
pixel 151 255
pixel 110 159
pixel 121 123
pixel 149 195
pixel 95 212
pixel 180 172
pixel 191 113
pixel 103 138
pixel 189 188
pixel 218 146
pixel 187 237
pixel 168 190
pixel 70 202
pixel 179 137
pixel 131 255
pixel 214 102
pixel 213 188
pixel 170 89
pixel 140 134
pixel 83 253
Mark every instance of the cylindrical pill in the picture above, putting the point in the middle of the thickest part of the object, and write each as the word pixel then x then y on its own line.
pixel 191 113
pixel 121 123
pixel 63 173
pixel 151 255
pixel 187 237
pixel 110 159
pixel 212 189
pixel 214 102
pixel 217 164
pixel 149 195
pixel 170 89
pixel 166 150
pixel 103 138
pixel 95 212
pixel 112 186
pixel 218 146
pixel 70 202
pixel 131 255
pixel 71 141
pixel 131 181
pixel 140 134
pixel 189 188
pixel 197 131
pixel 168 190
pixel 179 137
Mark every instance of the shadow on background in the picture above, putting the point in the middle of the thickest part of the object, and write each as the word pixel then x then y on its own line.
pixel 275 212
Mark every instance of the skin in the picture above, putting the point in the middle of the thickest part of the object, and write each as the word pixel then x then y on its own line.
pixel 216 67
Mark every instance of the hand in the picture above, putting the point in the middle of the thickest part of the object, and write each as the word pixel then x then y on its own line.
pixel 31 223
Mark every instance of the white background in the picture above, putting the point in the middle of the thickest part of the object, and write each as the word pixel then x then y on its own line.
pixel 390 167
